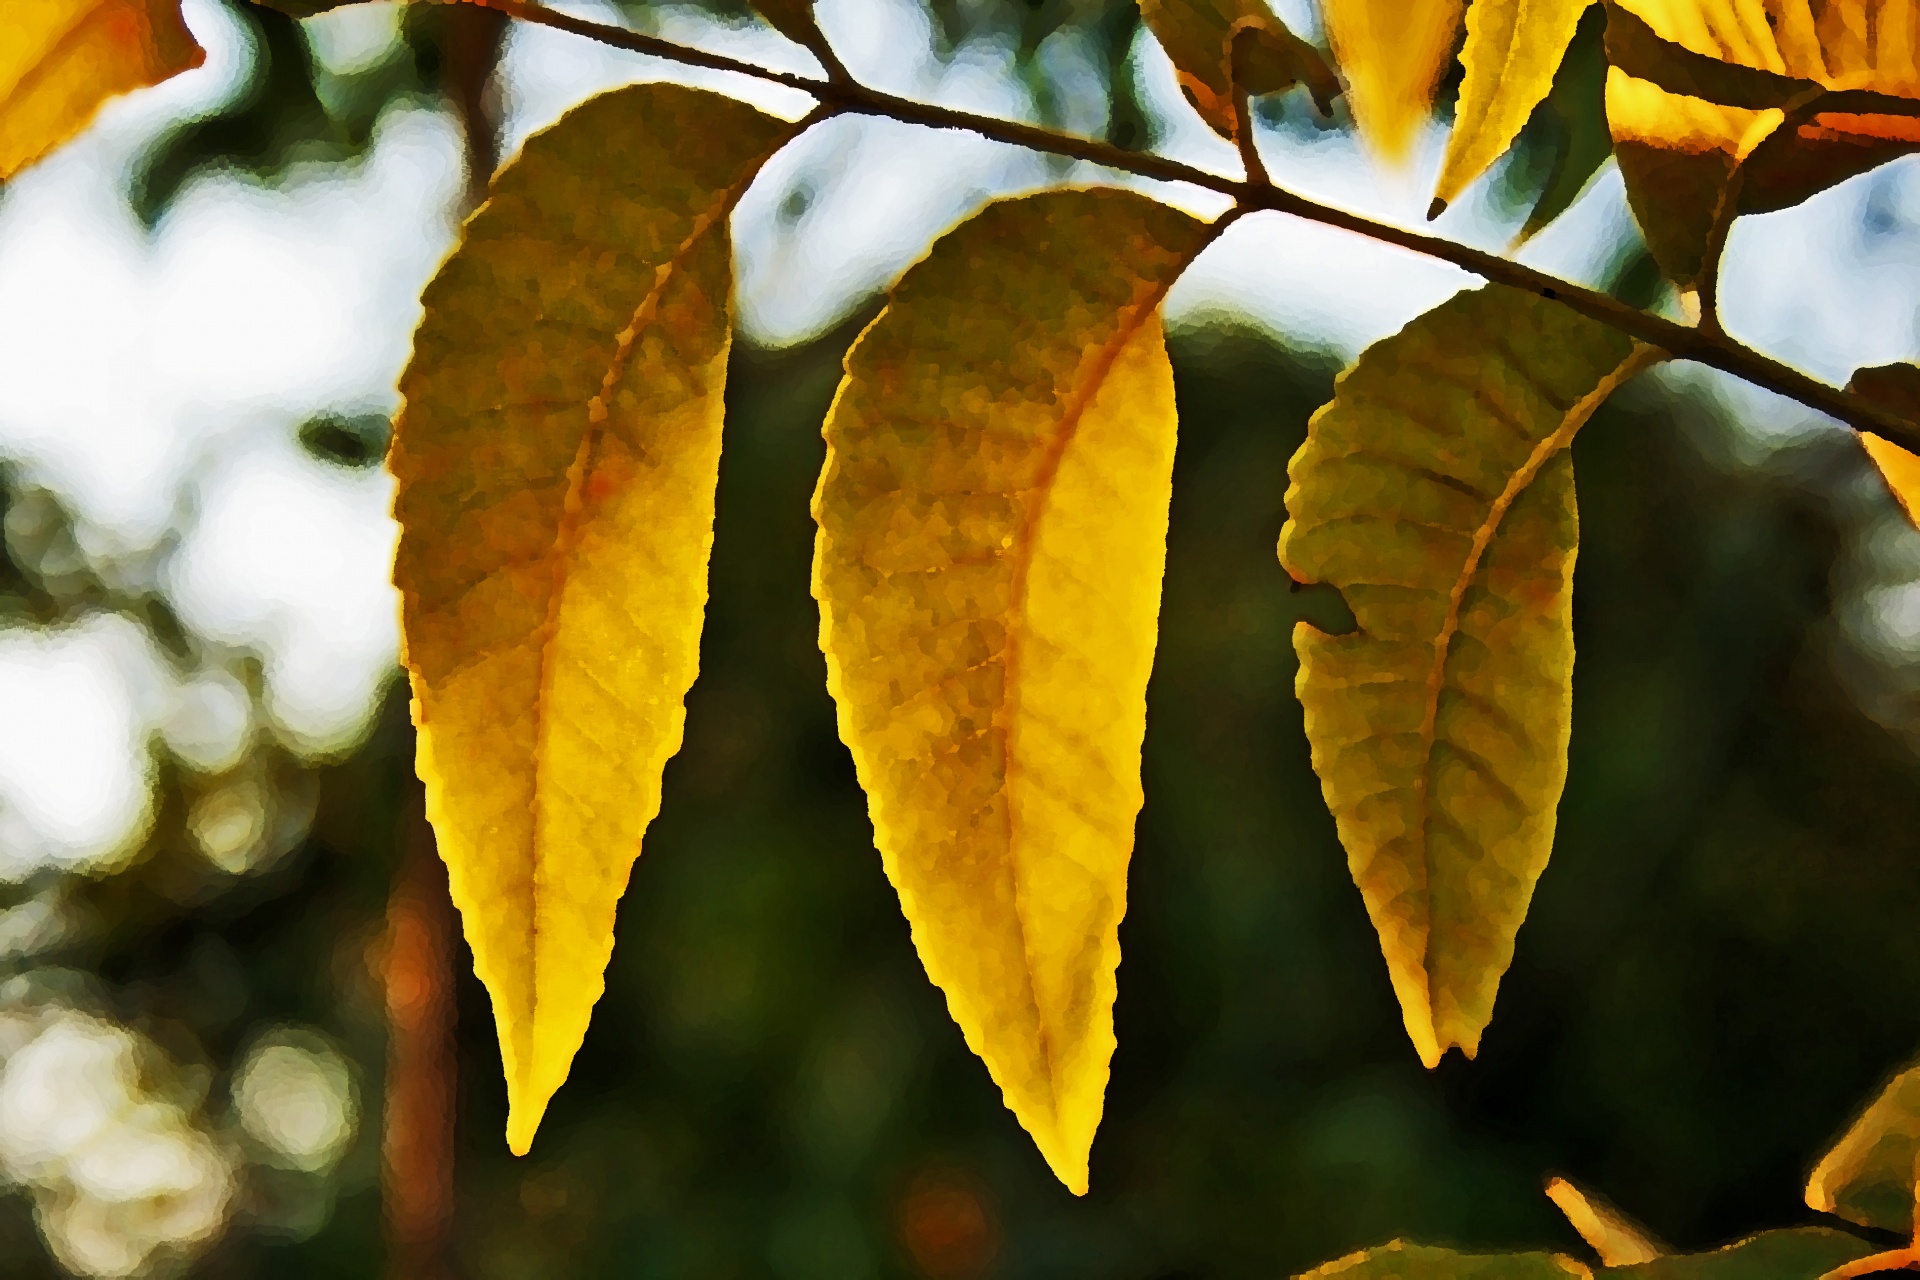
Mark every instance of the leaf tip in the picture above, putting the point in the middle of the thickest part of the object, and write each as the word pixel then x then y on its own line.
pixel 1438 207
pixel 523 1120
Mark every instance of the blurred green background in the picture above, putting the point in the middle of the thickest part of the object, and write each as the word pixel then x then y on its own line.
pixel 1719 965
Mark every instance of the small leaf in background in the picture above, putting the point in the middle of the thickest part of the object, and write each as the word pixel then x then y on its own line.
pixel 1393 53
pixel 992 535
pixel 1802 1253
pixel 557 456
pixel 1868 1176
pixel 1676 150
pixel 1574 115
pixel 59 61
pixel 1608 1232
pixel 1513 49
pixel 1196 36
pixel 1895 387
pixel 1403 1261
pixel 1436 493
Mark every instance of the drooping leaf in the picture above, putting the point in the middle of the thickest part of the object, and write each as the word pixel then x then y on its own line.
pixel 992 531
pixel 1869 1175
pixel 1802 1253
pixel 1200 37
pixel 1436 493
pixel 61 59
pixel 557 456
pixel 1513 49
pixel 1677 150
pixel 1403 1261
pixel 1618 1241
pixel 1393 53
pixel 1575 110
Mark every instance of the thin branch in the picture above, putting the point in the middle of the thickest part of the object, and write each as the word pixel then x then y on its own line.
pixel 1715 350
pixel 1243 131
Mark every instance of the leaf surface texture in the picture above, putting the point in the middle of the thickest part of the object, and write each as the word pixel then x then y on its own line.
pixel 1868 1177
pixel 1196 36
pixel 1393 53
pixel 1513 49
pixel 1436 493
pixel 1801 1253
pixel 557 457
pixel 992 535
pixel 61 59
pixel 1403 1261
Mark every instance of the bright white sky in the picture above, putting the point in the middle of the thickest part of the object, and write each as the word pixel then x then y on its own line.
pixel 154 382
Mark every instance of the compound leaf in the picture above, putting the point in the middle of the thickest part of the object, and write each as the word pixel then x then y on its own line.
pixel 1513 49
pixel 1436 493
pixel 61 59
pixel 1678 144
pixel 992 533
pixel 1403 1261
pixel 1868 1177
pixel 1393 53
pixel 557 456
pixel 1801 1253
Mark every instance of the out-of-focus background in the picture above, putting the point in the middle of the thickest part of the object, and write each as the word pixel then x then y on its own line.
pixel 237 1037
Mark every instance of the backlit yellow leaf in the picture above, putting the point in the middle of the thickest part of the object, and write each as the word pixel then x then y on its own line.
pixel 1869 1176
pixel 1436 492
pixel 1607 1231
pixel 1900 469
pixel 1403 1261
pixel 1513 49
pixel 993 518
pixel 1676 151
pixel 557 457
pixel 1196 35
pixel 1393 52
pixel 61 59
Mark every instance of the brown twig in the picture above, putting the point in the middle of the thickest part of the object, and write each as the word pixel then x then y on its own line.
pixel 1243 137
pixel 1683 342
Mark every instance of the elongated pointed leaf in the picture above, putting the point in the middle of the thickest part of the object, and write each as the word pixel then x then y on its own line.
pixel 1609 1233
pixel 1676 150
pixel 557 458
pixel 1393 53
pixel 1403 1261
pixel 61 59
pixel 1436 492
pixel 993 517
pixel 1869 1175
pixel 1803 1253
pixel 1513 49
pixel 1197 36
pixel 1575 110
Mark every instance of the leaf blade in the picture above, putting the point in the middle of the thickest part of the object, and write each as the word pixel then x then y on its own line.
pixel 1439 728
pixel 557 456
pixel 60 62
pixel 1402 1260
pixel 1800 1253
pixel 1393 53
pixel 1868 1176
pixel 993 700
pixel 1512 51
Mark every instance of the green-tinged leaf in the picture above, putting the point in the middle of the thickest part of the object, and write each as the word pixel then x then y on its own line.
pixel 1681 124
pixel 1609 1233
pixel 1869 1175
pixel 557 458
pixel 1436 493
pixel 61 59
pixel 1209 41
pixel 993 518
pixel 1803 1253
pixel 1575 111
pixel 1393 53
pixel 1513 49
pixel 1403 1261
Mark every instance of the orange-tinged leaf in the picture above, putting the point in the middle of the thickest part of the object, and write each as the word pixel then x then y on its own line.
pixel 992 534
pixel 1869 1176
pixel 1513 49
pixel 1899 468
pixel 61 59
pixel 1676 151
pixel 557 458
pixel 1392 52
pixel 1436 493
pixel 1607 1231
pixel 1895 387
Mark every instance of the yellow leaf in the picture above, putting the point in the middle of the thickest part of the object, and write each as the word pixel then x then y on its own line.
pixel 1436 492
pixel 1900 469
pixel 993 517
pixel 1619 1242
pixel 557 457
pixel 61 59
pixel 1869 1175
pixel 1393 52
pixel 1403 1261
pixel 1798 1253
pixel 1675 151
pixel 1513 49
pixel 1196 35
